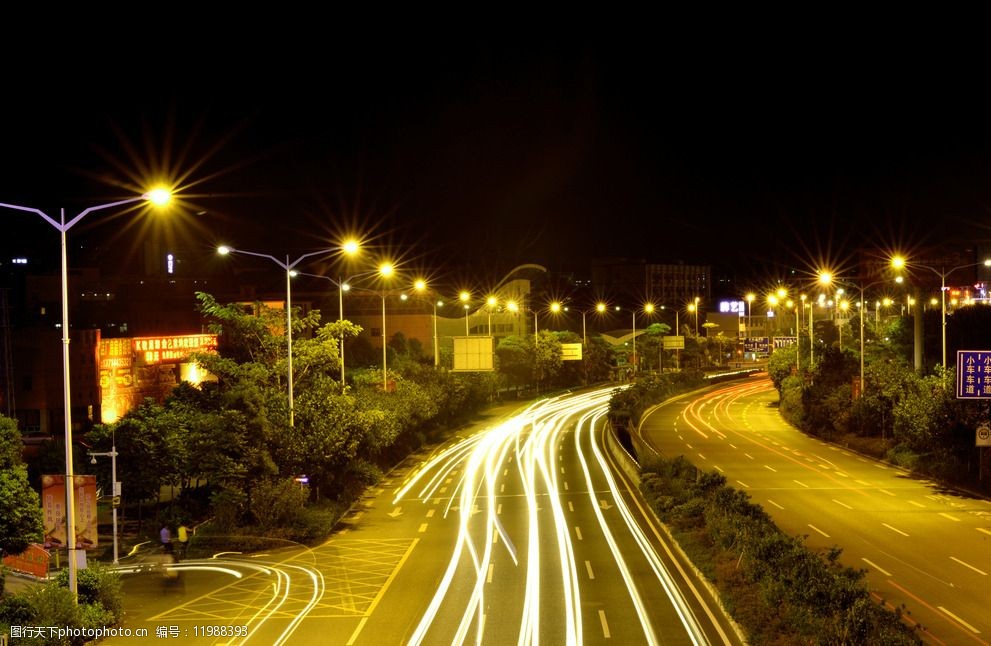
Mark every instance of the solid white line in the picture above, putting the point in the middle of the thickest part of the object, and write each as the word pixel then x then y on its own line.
pixel 959 620
pixel 588 567
pixel 968 565
pixel 605 624
pixel 894 530
pixel 876 567
pixel 818 530
pixel 354 635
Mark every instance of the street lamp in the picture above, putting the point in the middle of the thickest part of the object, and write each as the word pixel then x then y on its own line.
pixel 750 299
pixel 421 286
pixel 601 309
pixel 158 197
pixel 289 268
pixel 490 302
pixel 648 309
pixel 465 297
pixel 114 485
pixel 898 263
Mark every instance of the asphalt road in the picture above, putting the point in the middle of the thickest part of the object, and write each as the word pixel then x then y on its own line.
pixel 926 550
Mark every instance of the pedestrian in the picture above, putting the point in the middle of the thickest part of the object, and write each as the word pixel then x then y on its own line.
pixel 182 535
pixel 165 535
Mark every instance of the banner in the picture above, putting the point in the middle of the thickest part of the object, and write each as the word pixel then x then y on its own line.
pixel 53 511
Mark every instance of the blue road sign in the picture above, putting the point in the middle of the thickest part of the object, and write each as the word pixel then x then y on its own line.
pixel 973 374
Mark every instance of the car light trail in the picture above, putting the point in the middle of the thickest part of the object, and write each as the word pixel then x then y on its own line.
pixel 533 439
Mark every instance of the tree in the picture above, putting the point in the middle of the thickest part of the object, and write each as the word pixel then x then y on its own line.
pixel 516 360
pixel 20 506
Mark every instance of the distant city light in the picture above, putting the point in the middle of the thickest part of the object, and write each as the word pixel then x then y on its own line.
pixel 19 261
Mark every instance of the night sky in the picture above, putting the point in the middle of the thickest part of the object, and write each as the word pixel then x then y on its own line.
pixel 468 157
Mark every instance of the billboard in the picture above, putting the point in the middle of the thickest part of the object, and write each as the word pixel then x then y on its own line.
pixel 473 354
pixel 571 352
pixel 53 510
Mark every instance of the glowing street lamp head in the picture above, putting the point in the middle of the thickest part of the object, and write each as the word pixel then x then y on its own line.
pixel 159 196
pixel 386 269
pixel 782 292
pixel 600 307
pixel 223 250
pixel 351 247
pixel 512 306
pixel 649 308
pixel 825 278
pixel 898 262
pixel 464 296
pixel 492 301
pixel 555 307
pixel 420 285
pixel 750 297
pixel 772 300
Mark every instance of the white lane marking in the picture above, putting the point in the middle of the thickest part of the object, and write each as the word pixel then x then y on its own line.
pixel 571 506
pixel 818 530
pixel 876 567
pixel 775 504
pixel 749 456
pixel 578 533
pixel 799 482
pixel 917 504
pixel 703 457
pixel 887 492
pixel 770 468
pixel 499 508
pixel 605 624
pixel 744 484
pixel 488 577
pixel 968 565
pixel 949 516
pixel 981 529
pixel 959 620
pixel 894 529
pixel 842 504
pixel 430 513
pixel 588 567
pixel 423 528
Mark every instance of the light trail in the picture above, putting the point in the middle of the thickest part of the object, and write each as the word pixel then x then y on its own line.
pixel 533 439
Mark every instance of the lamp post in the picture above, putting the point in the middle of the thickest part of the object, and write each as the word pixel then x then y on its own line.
pixel 114 485
pixel 490 302
pixel 289 267
pixel 648 309
pixel 600 308
pixel 465 297
pixel 750 299
pixel 157 196
pixel 898 263
pixel 421 286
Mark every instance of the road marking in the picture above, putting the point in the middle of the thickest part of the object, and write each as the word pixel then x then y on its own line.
pixel 354 635
pixel 775 504
pixel 799 482
pixel 499 508
pixel 565 485
pixel 588 568
pixel 981 529
pixel 749 456
pixel 719 469
pixel 430 513
pixel 505 472
pixel 894 529
pixel 744 484
pixel 861 482
pixel 917 504
pixel 944 515
pixel 818 530
pixel 771 468
pixel 702 456
pixel 968 565
pixel 448 481
pixel 423 528
pixel 887 492
pixel 571 507
pixel 959 620
pixel 502 487
pixel 578 533
pixel 689 445
pixel 488 577
pixel 732 445
pixel 436 501
pixel 562 469
pixel 605 624
pixel 442 490
pixel 842 504
pixel 357 515
pixel 876 567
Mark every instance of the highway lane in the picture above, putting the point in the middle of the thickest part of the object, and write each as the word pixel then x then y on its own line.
pixel 528 536
pixel 925 549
